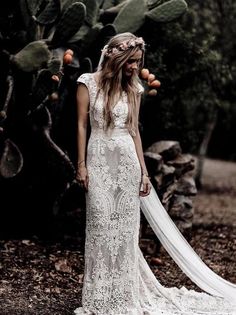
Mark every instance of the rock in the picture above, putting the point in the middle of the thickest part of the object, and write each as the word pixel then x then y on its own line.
pixel 154 162
pixel 169 150
pixel 165 177
pixel 156 261
pixel 148 246
pixel 186 186
pixel 172 177
pixel 181 211
pixel 182 163
pixel 168 193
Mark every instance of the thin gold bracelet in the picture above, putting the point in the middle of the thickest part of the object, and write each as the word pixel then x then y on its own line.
pixel 80 162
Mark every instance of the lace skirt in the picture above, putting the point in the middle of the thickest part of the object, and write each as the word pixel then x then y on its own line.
pixel 117 278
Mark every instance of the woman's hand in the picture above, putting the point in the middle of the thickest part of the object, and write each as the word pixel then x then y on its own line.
pixel 145 186
pixel 82 176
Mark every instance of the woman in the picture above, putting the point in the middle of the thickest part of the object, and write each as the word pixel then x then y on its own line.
pixel 111 168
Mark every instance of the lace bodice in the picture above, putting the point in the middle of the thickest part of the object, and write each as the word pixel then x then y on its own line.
pixel 120 110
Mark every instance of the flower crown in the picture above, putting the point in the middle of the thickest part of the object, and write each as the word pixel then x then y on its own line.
pixel 123 46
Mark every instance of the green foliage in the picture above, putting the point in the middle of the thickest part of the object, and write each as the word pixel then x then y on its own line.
pixel 186 99
pixel 194 61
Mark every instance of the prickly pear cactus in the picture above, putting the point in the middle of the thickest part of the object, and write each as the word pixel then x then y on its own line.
pixel 11 161
pixel 69 24
pixel 32 57
pixel 49 14
pixel 42 88
pixel 131 16
pixel 92 11
pixel 153 3
pixel 108 4
pixel 168 11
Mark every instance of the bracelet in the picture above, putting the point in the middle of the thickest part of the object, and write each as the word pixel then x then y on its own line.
pixel 80 162
pixel 144 174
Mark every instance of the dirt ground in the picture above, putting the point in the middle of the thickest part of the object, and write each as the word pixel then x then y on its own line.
pixel 38 277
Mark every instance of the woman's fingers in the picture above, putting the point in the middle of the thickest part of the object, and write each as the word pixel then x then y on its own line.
pixel 146 190
pixel 83 182
pixel 82 178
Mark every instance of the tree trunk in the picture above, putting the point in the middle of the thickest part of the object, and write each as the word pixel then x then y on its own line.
pixel 204 148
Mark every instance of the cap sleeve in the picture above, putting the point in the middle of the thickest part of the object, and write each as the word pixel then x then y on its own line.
pixel 84 78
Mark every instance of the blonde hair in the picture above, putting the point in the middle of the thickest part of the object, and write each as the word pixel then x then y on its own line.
pixel 111 80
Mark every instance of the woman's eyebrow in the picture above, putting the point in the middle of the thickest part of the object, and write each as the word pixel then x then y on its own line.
pixel 134 59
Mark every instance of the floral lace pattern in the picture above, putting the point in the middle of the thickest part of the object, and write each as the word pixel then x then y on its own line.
pixel 117 279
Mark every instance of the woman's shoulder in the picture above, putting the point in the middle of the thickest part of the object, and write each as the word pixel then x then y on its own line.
pixel 84 78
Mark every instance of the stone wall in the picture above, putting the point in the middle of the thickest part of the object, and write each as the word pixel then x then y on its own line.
pixel 171 173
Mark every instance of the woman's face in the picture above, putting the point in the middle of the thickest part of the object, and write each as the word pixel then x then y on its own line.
pixel 132 64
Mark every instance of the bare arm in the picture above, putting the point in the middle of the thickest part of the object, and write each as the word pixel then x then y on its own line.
pixel 139 149
pixel 82 98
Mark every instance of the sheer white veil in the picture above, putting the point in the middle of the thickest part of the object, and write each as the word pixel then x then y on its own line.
pixel 103 51
pixel 181 251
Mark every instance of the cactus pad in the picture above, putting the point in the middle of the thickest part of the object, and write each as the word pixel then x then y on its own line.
pixel 49 14
pixel 131 16
pixel 11 161
pixel 92 9
pixel 32 57
pixel 168 11
pixel 70 22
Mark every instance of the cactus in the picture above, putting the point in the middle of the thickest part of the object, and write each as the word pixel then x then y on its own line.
pixel 116 9
pixel 89 37
pixel 80 34
pixel 105 33
pixel 65 4
pixel 131 16
pixel 49 14
pixel 70 22
pixel 32 57
pixel 11 161
pixel 153 3
pixel 92 9
pixel 54 65
pixel 108 4
pixel 33 6
pixel 86 65
pixel 42 88
pixel 168 11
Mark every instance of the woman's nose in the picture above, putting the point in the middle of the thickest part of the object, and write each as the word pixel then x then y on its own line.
pixel 135 65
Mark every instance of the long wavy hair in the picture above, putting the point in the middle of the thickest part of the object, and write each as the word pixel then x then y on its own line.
pixel 112 82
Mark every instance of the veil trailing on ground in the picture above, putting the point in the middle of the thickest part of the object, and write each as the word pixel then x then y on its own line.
pixel 181 252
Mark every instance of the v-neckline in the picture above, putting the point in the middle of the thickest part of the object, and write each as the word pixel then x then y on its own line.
pixel 94 80
pixel 96 85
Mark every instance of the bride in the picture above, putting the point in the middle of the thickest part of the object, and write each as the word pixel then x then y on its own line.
pixel 111 169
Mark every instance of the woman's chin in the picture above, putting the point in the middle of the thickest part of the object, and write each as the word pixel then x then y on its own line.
pixel 128 74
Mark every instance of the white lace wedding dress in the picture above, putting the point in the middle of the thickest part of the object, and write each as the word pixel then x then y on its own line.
pixel 117 279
